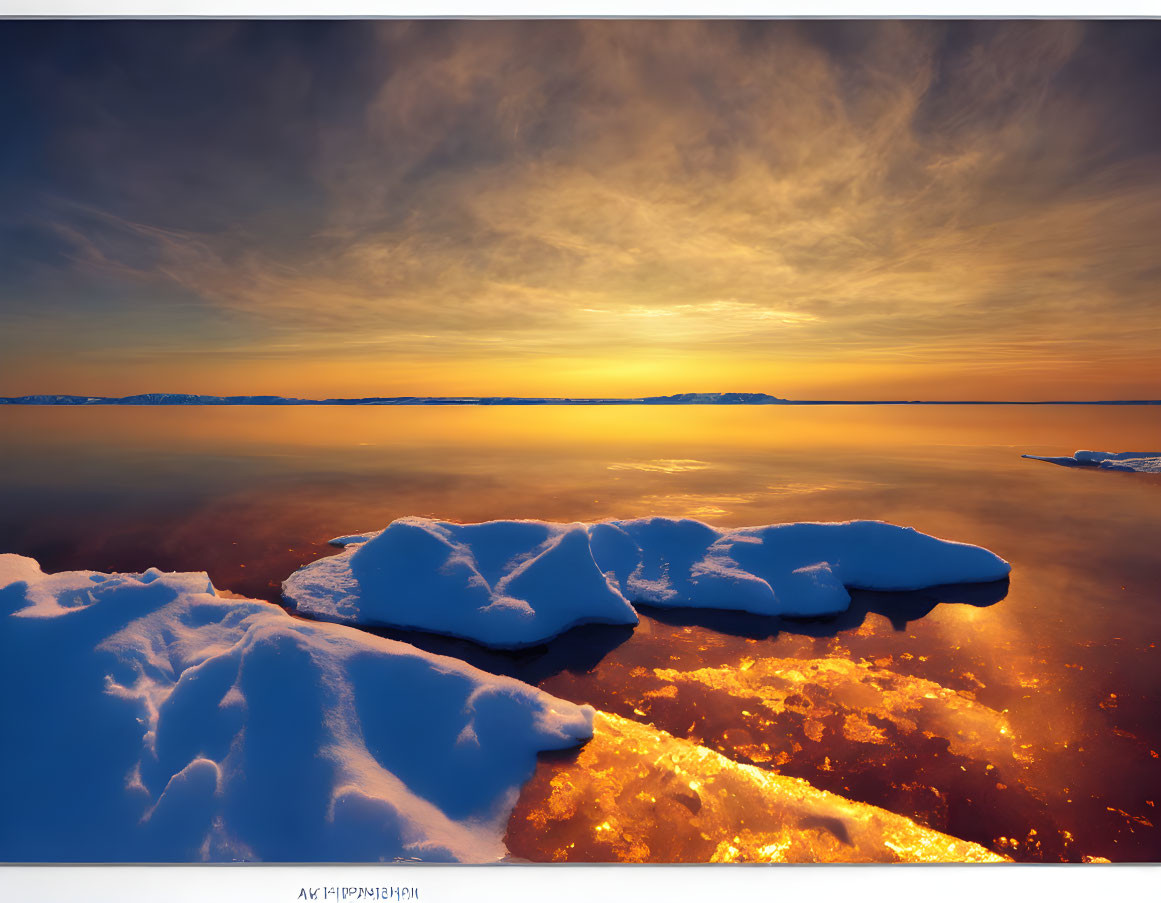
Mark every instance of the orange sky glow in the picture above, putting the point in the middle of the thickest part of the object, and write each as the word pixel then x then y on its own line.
pixel 868 210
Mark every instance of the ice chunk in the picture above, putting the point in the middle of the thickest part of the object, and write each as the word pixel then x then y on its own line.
pixel 148 719
pixel 516 583
pixel 1136 462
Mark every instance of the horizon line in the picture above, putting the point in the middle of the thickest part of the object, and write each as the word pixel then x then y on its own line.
pixel 177 399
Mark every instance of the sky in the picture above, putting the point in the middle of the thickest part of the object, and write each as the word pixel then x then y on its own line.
pixel 860 209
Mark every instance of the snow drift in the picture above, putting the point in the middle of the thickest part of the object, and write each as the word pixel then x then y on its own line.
pixel 1136 462
pixel 148 719
pixel 516 583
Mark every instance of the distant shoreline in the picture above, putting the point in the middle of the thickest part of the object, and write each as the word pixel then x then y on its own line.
pixel 701 398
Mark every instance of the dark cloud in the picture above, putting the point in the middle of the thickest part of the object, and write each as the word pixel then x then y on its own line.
pixel 814 188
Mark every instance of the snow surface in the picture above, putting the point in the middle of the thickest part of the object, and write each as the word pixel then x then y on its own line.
pixel 515 583
pixel 1136 462
pixel 148 719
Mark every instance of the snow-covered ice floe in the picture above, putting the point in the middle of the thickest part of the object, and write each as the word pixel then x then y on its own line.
pixel 515 583
pixel 148 719
pixel 1136 462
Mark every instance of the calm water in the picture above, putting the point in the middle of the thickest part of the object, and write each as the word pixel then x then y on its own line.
pixel 1022 718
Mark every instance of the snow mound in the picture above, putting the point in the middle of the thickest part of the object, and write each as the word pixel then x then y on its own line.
pixel 515 583
pixel 148 719
pixel 1135 462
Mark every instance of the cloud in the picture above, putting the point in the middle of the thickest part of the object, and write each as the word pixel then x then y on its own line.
pixel 662 465
pixel 892 190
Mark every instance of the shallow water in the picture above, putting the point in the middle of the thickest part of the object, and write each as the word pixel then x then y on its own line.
pixel 1022 718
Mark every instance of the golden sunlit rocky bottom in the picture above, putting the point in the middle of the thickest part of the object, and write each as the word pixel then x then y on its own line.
pixel 637 794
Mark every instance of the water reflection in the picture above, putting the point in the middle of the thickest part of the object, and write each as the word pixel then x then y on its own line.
pixel 860 714
pixel 1068 662
pixel 580 649
pixel 636 794
pixel 900 608
pixel 577 651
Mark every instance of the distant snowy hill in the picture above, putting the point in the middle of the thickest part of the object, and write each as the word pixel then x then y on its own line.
pixel 155 398
pixel 699 398
pixel 161 398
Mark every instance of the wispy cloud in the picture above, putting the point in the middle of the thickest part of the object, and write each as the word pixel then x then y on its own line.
pixel 662 465
pixel 891 191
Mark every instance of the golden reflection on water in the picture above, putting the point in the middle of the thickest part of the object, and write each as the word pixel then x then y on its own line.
pixel 636 794
pixel 1027 726
pixel 864 699
pixel 921 734
pixel 661 435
